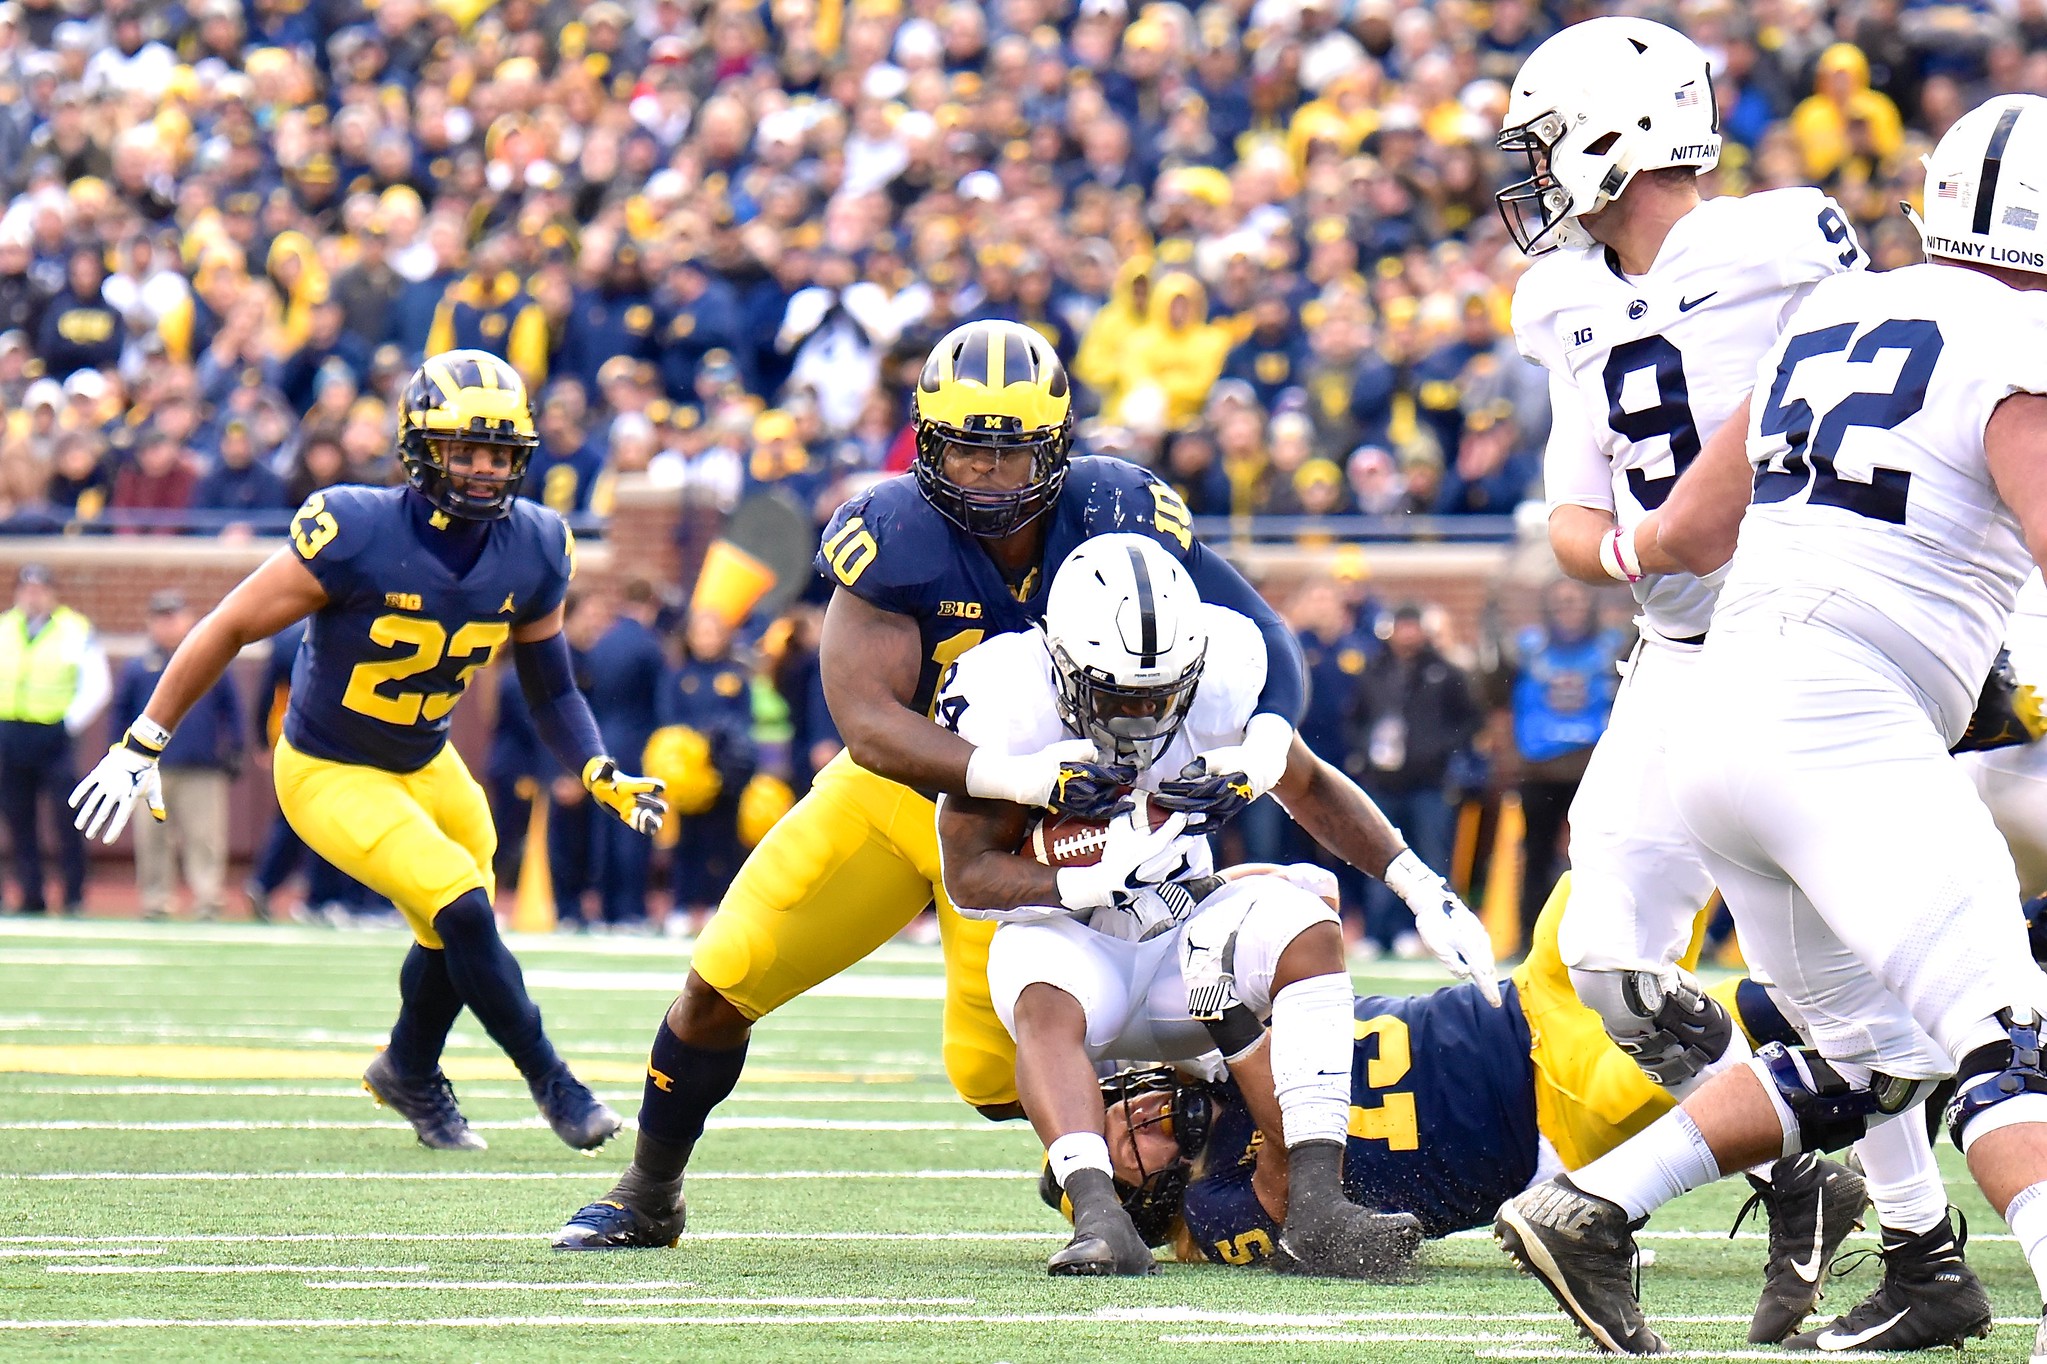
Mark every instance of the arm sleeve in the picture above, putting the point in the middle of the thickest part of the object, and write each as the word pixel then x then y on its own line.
pixel 1286 672
pixel 547 679
pixel 1574 471
pixel 95 688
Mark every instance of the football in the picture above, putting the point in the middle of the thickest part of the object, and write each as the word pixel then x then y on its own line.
pixel 1069 841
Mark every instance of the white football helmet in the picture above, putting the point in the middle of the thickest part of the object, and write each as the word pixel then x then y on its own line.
pixel 1123 624
pixel 1593 105
pixel 1986 186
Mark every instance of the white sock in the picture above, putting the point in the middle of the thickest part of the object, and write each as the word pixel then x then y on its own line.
pixel 2027 1217
pixel 1904 1182
pixel 1665 1159
pixel 1079 1151
pixel 1311 1057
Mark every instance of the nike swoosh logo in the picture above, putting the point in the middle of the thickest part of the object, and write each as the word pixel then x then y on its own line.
pixel 1809 1270
pixel 1685 305
pixel 1831 1340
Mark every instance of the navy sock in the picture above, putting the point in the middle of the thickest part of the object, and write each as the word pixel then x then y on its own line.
pixel 487 977
pixel 427 1005
pixel 684 1084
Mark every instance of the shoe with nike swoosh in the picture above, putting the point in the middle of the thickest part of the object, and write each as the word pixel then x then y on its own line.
pixel 1582 1249
pixel 1929 1296
pixel 1812 1203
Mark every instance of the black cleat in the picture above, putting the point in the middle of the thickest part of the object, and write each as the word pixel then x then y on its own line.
pixel 576 1115
pixel 1582 1250
pixel 1928 1296
pixel 609 1224
pixel 1350 1242
pixel 1812 1203
pixel 428 1104
pixel 1105 1240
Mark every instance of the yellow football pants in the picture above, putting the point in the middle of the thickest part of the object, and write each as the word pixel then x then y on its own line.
pixel 1589 1095
pixel 420 839
pixel 843 872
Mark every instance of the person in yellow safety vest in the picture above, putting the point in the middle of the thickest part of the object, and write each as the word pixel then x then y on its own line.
pixel 53 683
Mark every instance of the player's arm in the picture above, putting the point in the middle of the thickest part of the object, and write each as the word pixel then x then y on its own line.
pixel 281 591
pixel 2015 448
pixel 1699 522
pixel 869 660
pixel 985 877
pixel 1337 814
pixel 1577 477
pixel 561 714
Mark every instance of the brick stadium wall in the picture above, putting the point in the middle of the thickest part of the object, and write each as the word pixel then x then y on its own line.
pixel 654 536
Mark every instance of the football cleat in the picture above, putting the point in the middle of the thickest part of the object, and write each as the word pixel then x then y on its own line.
pixel 609 1224
pixel 1928 1296
pixel 1105 1240
pixel 577 1116
pixel 1346 1241
pixel 1812 1203
pixel 1582 1249
pixel 428 1104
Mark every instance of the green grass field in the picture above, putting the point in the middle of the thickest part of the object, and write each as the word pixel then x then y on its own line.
pixel 189 1170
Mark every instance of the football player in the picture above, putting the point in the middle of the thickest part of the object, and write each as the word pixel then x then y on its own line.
pixel 1146 952
pixel 1650 308
pixel 1893 445
pixel 411 591
pixel 924 566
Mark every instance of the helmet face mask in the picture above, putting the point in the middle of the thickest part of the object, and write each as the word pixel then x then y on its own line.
pixel 1187 1115
pixel 453 403
pixel 1128 722
pixel 990 388
pixel 1536 207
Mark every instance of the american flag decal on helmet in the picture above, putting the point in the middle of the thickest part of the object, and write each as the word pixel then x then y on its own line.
pixel 1948 189
pixel 1688 95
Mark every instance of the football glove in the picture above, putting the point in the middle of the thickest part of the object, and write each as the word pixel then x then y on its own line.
pixel 1220 782
pixel 1066 777
pixel 1133 856
pixel 1451 932
pixel 1144 913
pixel 635 800
pixel 107 796
pixel 2007 711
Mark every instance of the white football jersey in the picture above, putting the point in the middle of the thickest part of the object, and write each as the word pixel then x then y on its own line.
pixel 1874 512
pixel 1001 694
pixel 1644 369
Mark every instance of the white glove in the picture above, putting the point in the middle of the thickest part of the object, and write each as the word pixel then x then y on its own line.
pixel 107 795
pixel 1268 738
pixel 1448 929
pixel 1089 789
pixel 1144 913
pixel 1133 855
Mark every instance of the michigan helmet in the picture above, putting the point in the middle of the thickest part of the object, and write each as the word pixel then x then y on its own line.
pixel 1986 186
pixel 994 386
pixel 465 395
pixel 1187 1116
pixel 1123 623
pixel 1594 105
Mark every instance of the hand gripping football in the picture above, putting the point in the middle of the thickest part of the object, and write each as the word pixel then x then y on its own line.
pixel 1069 841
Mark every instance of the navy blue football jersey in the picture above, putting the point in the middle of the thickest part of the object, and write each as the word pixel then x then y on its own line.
pixel 891 547
pixel 402 634
pixel 1442 1123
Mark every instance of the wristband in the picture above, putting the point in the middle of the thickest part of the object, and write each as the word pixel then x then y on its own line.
pixel 146 736
pixel 1019 779
pixel 1408 876
pixel 1618 556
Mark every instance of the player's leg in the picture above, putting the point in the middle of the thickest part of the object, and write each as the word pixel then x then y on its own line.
pixel 59 776
pixel 155 860
pixel 823 890
pixel 1637 883
pixel 205 800
pixel 623 860
pixel 20 782
pixel 2012 783
pixel 1058 988
pixel 1263 948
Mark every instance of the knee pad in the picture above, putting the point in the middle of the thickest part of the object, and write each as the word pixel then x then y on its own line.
pixel 1997 1072
pixel 1208 966
pixel 1670 1026
pixel 1833 1105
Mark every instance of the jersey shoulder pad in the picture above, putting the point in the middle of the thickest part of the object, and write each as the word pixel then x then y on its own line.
pixel 886 545
pixel 547 543
pixel 336 527
pixel 1231 678
pixel 1113 495
pixel 1809 234
pixel 1000 695
pixel 1542 290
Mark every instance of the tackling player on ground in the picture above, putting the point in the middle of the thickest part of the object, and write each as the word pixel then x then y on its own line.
pixel 411 592
pixel 1146 952
pixel 924 567
pixel 1650 308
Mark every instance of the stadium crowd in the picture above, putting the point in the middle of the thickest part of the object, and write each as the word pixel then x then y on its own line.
pixel 717 238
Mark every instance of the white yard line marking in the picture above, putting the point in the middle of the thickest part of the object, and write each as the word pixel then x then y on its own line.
pixel 760 1124
pixel 434 1237
pixel 773 1302
pixel 1349 1338
pixel 509 1286
pixel 471 1090
pixel 55 956
pixel 798 1319
pixel 487 1176
pixel 32 1253
pixel 237 1269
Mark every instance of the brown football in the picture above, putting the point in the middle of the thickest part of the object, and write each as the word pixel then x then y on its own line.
pixel 1069 841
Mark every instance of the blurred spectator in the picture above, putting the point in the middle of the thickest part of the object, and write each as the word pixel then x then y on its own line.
pixel 1824 122
pixel 201 760
pixel 1407 718
pixel 158 483
pixel 564 471
pixel 489 309
pixel 626 669
pixel 238 483
pixel 611 319
pixel 321 463
pixel 54 682
pixel 79 328
pixel 712 693
pixel 367 292
pixel 1275 355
